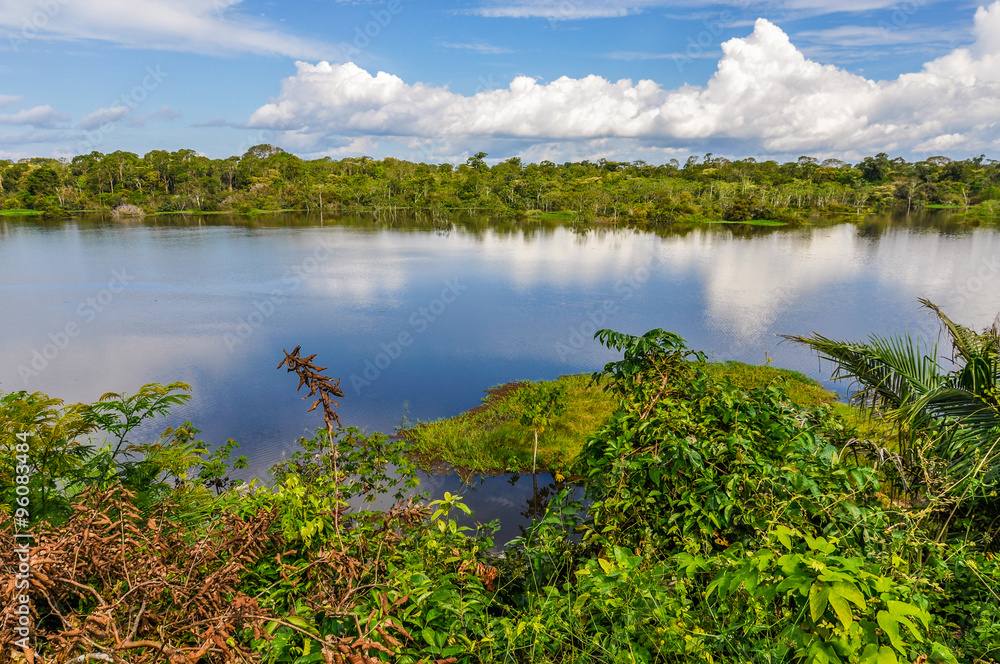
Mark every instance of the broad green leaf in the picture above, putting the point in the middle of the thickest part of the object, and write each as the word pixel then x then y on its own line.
pixel 905 609
pixel 817 603
pixel 606 565
pixel 428 635
pixel 299 621
pixel 782 533
pixel 941 654
pixel 891 629
pixel 850 592
pixel 886 656
pixel 841 608
pixel 909 623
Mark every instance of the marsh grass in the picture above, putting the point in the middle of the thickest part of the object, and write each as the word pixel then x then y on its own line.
pixel 750 222
pixel 21 213
pixel 490 438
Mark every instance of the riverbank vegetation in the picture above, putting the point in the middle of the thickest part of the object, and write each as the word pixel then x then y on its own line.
pixel 492 438
pixel 724 523
pixel 707 188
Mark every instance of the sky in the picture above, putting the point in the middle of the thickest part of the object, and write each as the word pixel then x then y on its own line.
pixel 563 80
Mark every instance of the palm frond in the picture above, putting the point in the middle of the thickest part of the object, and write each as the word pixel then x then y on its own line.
pixel 975 415
pixel 891 372
pixel 967 343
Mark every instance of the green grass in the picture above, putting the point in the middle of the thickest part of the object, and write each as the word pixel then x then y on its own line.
pixel 188 212
pixel 751 222
pixel 21 213
pixel 801 389
pixel 490 438
pixel 561 215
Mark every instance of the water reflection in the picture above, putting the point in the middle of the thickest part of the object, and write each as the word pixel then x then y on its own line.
pixel 515 499
pixel 213 300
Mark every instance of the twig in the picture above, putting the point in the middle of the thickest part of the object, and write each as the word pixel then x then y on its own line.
pixel 135 625
pixel 310 375
pixel 100 656
pixel 83 587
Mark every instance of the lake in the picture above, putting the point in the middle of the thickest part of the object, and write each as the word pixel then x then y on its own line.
pixel 417 316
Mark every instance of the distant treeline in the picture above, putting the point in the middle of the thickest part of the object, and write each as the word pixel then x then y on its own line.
pixel 268 178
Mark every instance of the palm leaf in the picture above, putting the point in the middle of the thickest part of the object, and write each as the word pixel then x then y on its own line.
pixel 968 344
pixel 892 372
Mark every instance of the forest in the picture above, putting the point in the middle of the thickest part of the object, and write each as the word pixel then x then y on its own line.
pixel 267 178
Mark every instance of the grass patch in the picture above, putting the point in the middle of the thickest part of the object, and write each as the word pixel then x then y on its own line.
pixel 189 212
pixel 490 438
pixel 562 215
pixel 21 213
pixel 801 389
pixel 752 222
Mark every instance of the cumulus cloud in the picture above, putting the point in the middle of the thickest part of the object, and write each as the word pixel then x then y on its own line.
pixel 184 25
pixel 765 96
pixel 40 117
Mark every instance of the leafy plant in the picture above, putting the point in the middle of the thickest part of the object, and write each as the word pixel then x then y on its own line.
pixel 948 417
pixel 828 607
pixel 540 403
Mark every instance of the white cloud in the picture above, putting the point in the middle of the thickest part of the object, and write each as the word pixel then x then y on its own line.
pixel 561 10
pixel 679 56
pixel 765 96
pixel 478 47
pixel 40 117
pixel 34 136
pixel 566 10
pixel 847 36
pixel 183 25
pixel 165 114
pixel 103 116
pixel 7 100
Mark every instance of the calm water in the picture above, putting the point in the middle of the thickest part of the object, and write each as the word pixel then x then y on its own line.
pixel 418 317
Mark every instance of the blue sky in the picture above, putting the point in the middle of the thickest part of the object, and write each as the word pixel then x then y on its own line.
pixel 540 79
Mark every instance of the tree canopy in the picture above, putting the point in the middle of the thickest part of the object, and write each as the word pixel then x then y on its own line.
pixel 266 177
